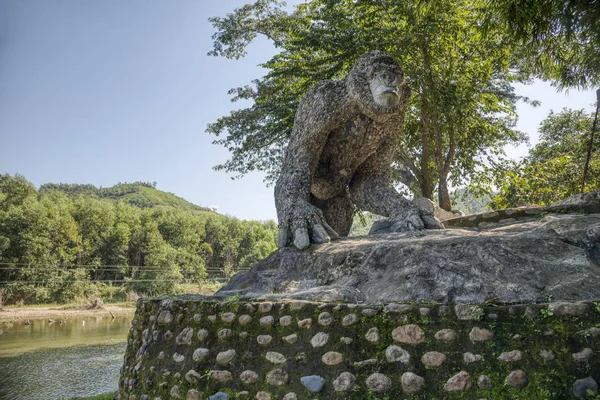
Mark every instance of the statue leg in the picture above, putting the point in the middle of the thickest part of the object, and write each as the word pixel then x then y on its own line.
pixel 338 212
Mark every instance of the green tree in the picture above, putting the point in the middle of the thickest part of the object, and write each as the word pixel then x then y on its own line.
pixel 463 109
pixel 562 37
pixel 157 271
pixel 57 246
pixel 553 170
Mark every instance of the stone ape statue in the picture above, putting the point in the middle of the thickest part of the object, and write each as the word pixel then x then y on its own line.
pixel 342 146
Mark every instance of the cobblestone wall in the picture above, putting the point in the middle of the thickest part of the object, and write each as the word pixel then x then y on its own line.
pixel 195 348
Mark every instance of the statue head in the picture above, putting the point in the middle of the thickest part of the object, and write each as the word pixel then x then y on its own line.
pixel 376 82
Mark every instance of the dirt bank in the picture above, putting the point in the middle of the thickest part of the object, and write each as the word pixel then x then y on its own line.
pixel 8 314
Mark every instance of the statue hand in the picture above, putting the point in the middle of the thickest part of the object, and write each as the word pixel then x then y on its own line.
pixel 305 225
pixel 415 218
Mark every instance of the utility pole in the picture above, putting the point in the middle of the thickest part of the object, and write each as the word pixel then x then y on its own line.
pixel 589 152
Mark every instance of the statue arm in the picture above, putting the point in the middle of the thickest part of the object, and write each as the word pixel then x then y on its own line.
pixel 372 190
pixel 321 111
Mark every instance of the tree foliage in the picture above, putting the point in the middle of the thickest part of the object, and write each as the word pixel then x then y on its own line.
pixel 553 170
pixel 54 247
pixel 561 36
pixel 463 106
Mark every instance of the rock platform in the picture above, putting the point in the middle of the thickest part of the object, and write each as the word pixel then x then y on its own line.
pixel 528 255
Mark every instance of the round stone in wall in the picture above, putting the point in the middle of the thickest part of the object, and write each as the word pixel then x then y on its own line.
pixel 460 381
pixel 547 355
pixel 263 396
pixel 484 382
pixel 313 383
pixel 267 321
pixel 305 323
pixel 185 337
pixel 245 319
pixel 290 396
pixel 412 383
pixel 320 339
pixel 224 334
pixel 410 334
pixel 325 319
pixel 275 358
pixel 378 383
pixel 446 335
pixel 221 376
pixel 264 340
pixel 193 394
pixel 192 376
pixel 581 387
pixel 291 339
pixel 584 355
pixel 397 354
pixel 286 320
pixel 219 396
pixel 346 381
pixel 165 317
pixel 228 317
pixel 178 357
pixel 332 358
pixel 350 319
pixel 372 335
pixel 466 312
pixel 174 391
pixel 369 312
pixel 277 377
pixel 225 357
pixel 510 356
pixel 469 358
pixel 433 359
pixel 480 335
pixel 202 334
pixel 517 379
pixel 265 307
pixel 249 377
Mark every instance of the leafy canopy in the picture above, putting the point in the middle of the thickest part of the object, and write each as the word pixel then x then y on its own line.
pixel 553 170
pixel 463 109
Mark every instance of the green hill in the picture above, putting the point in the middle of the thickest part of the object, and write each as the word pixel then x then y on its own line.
pixel 140 194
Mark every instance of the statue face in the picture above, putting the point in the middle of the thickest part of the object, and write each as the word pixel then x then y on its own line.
pixel 385 87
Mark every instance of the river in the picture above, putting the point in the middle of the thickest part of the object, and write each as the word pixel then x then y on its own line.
pixel 80 357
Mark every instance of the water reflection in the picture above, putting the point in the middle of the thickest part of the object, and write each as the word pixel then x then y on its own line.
pixel 54 360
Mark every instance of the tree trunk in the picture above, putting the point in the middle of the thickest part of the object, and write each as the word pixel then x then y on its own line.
pixel 443 195
pixel 425 182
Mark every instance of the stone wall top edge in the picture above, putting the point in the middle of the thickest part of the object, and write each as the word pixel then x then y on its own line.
pixel 243 300
pixel 467 310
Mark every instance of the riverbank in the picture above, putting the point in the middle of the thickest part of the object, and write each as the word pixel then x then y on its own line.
pixel 59 313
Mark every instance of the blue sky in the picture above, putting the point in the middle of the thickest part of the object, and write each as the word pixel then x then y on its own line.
pixel 114 91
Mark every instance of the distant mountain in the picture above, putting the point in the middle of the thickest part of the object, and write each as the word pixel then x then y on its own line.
pixel 140 194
